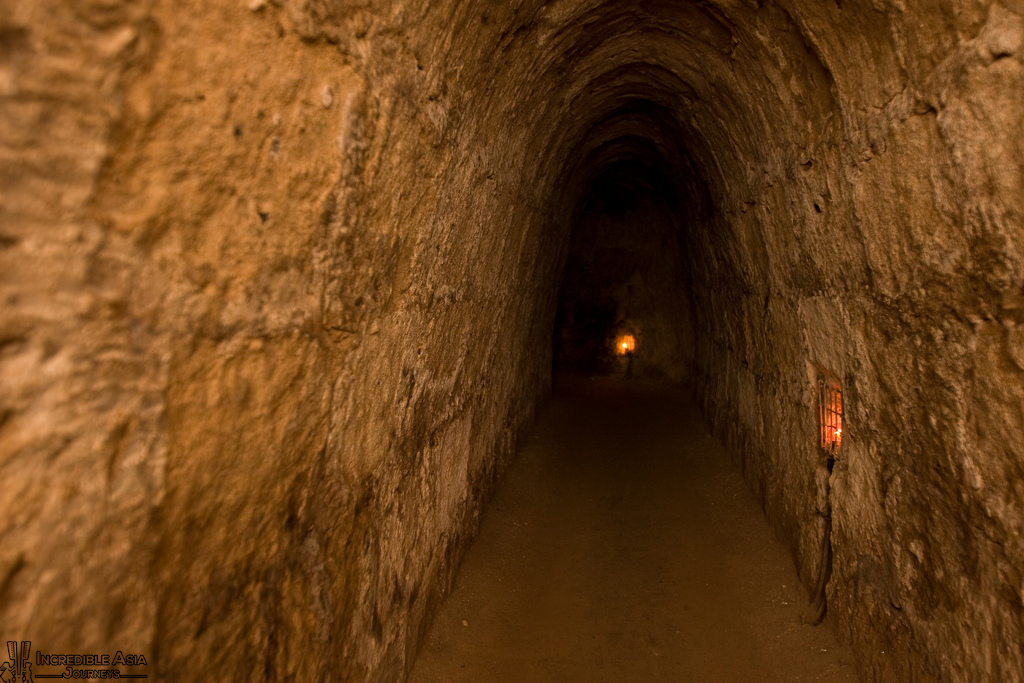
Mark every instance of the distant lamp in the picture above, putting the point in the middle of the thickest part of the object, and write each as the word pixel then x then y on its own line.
pixel 625 344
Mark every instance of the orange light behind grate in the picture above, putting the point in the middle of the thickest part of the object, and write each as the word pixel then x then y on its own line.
pixel 831 408
pixel 625 344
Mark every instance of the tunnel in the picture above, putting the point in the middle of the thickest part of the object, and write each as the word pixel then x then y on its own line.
pixel 287 285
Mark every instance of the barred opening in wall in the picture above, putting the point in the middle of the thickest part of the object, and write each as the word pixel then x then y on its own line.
pixel 830 406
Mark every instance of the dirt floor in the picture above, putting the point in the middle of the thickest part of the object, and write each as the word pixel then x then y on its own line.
pixel 623 545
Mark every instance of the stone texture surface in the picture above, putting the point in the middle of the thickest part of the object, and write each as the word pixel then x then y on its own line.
pixel 278 284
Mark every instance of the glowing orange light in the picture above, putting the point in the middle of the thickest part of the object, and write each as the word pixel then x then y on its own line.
pixel 831 406
pixel 625 344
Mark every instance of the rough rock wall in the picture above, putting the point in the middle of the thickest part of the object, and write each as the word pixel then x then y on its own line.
pixel 272 319
pixel 869 218
pixel 278 286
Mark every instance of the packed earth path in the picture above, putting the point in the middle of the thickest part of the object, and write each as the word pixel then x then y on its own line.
pixel 623 545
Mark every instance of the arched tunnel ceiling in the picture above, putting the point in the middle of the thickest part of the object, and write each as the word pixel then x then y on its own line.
pixel 307 262
pixel 727 96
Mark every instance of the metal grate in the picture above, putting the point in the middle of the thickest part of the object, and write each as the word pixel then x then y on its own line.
pixel 830 402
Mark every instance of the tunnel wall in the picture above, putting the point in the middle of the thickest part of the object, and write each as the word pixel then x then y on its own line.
pixel 278 287
pixel 273 320
pixel 868 218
